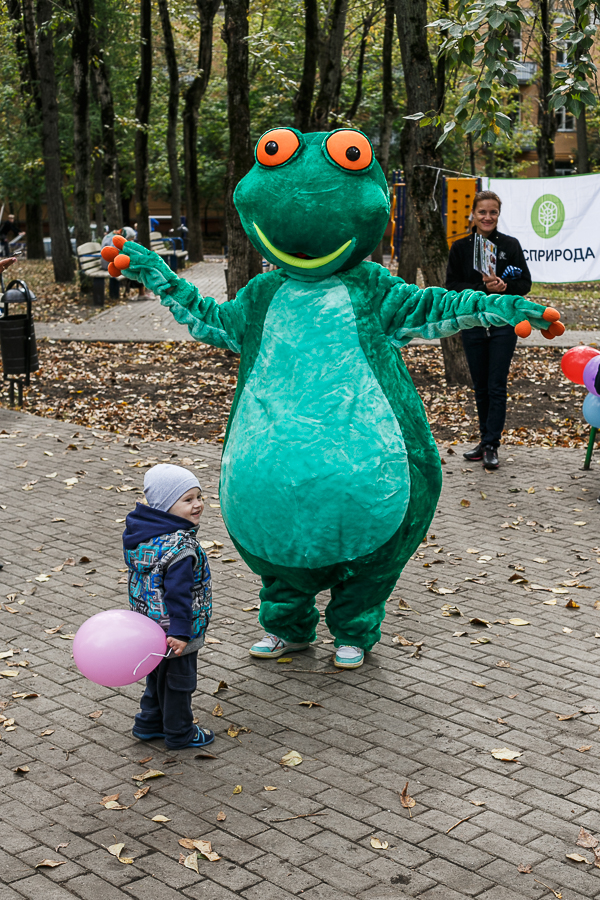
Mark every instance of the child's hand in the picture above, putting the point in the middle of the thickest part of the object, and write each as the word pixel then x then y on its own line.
pixel 176 645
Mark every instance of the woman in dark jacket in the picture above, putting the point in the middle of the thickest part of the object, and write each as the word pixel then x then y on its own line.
pixel 489 350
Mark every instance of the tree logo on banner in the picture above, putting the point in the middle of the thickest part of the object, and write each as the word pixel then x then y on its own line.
pixel 547 215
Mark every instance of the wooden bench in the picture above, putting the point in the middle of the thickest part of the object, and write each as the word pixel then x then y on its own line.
pixel 90 266
pixel 167 248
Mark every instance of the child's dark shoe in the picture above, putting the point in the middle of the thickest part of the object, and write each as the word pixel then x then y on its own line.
pixel 202 737
pixel 142 736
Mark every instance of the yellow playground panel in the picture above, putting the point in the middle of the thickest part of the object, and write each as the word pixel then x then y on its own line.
pixel 458 194
pixel 459 200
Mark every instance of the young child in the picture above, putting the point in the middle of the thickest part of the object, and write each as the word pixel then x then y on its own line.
pixel 169 581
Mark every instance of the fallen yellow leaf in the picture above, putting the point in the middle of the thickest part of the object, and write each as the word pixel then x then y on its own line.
pixel 191 862
pixel 151 773
pixel 379 845
pixel 407 801
pixel 116 850
pixel 505 754
pixel 292 758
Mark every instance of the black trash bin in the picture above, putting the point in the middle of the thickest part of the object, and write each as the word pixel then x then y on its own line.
pixel 17 339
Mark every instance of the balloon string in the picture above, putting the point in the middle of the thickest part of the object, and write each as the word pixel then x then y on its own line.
pixel 162 656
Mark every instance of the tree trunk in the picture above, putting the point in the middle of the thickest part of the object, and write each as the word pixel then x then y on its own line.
pixel 172 112
pixel 30 94
pixel 304 98
pixel 244 261
pixel 583 159
pixel 472 154
pixel 423 183
pixel 80 51
pixel 142 115
pixel 330 65
pixel 62 255
pixel 192 100
pixel 388 106
pixel 409 258
pixel 110 162
pixel 367 22
pixel 546 116
pixel 441 66
pixel 387 88
pixel 98 209
pixel 34 230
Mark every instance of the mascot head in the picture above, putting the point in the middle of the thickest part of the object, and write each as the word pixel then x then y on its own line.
pixel 314 204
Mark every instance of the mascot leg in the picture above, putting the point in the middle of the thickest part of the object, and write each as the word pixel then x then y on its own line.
pixel 357 609
pixel 287 612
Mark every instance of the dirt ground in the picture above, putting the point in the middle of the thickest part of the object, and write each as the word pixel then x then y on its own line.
pixel 184 390
pixel 579 304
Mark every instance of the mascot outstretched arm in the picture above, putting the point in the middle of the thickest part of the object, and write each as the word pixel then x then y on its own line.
pixel 330 475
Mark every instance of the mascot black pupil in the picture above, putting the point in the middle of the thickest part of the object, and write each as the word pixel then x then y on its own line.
pixel 352 153
pixel 271 148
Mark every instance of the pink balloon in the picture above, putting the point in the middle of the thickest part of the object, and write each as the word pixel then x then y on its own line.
pixel 589 374
pixel 109 647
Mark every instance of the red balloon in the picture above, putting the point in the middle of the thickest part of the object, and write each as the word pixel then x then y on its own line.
pixel 574 362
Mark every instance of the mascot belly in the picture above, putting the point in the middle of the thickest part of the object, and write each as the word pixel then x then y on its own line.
pixel 314 449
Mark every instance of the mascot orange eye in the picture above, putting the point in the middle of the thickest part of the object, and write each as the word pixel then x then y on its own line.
pixel 276 147
pixel 350 150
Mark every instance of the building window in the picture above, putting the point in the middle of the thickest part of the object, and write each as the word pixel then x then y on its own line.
pixel 564 120
pixel 564 168
pixel 561 53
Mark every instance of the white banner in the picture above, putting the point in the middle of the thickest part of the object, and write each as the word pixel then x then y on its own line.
pixel 556 221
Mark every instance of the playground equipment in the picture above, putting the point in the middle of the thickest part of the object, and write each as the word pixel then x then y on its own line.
pixel 457 202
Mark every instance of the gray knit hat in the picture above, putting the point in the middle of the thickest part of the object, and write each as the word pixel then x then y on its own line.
pixel 164 484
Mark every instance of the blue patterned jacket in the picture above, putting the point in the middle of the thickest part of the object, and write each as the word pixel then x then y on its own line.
pixel 169 577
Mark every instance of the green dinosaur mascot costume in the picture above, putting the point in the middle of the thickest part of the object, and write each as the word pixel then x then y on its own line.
pixel 330 475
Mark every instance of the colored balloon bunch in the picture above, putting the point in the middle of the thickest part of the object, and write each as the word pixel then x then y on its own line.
pixel 581 365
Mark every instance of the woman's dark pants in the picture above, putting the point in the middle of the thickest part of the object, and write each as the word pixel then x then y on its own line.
pixel 166 704
pixel 489 352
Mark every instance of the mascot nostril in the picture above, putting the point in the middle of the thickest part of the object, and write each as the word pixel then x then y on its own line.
pixel 330 475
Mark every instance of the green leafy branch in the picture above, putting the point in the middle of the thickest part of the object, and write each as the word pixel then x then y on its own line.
pixel 572 88
pixel 479 37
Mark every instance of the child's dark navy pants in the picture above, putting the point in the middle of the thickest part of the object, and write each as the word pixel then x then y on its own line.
pixel 166 704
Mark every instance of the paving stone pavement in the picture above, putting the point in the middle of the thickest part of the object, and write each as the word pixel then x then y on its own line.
pixel 429 718
pixel 140 320
pixel 148 320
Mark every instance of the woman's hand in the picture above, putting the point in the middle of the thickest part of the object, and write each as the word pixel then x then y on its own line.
pixel 176 645
pixel 494 284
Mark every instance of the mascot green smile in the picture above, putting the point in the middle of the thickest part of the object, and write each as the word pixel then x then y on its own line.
pixel 330 475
